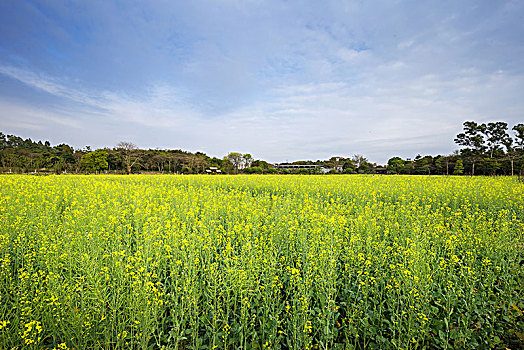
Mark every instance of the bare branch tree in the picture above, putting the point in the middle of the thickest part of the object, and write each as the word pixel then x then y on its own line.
pixel 128 152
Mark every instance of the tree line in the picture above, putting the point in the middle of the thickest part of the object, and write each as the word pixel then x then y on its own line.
pixel 27 156
pixel 486 149
pixel 18 155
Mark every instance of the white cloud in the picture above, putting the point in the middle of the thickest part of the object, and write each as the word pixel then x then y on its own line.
pixel 304 121
pixel 279 80
pixel 21 116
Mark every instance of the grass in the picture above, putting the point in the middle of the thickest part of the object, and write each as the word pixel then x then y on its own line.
pixel 252 262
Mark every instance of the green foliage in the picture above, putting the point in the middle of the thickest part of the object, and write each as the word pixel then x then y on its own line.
pixel 486 149
pixel 254 170
pixel 459 167
pixel 396 165
pixel 519 135
pixel 235 159
pixel 260 163
pixel 94 162
pixel 438 164
pixel 473 137
pixel 349 170
pixel 490 166
pixel 253 262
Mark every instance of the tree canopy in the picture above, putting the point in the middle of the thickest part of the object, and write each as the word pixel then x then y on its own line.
pixel 485 149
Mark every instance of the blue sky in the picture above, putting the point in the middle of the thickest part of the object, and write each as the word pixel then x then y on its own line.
pixel 282 80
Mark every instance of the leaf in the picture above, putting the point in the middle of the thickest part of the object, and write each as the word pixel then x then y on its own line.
pixel 516 308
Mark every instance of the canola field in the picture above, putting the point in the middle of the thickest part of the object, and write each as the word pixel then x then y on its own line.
pixel 261 262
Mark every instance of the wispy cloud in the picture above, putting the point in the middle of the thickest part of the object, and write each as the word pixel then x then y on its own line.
pixel 281 80
pixel 47 84
pixel 25 117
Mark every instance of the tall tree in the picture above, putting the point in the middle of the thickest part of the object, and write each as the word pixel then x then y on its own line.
pixel 489 166
pixel 423 165
pixel 128 151
pixel 444 164
pixel 247 159
pixel 396 165
pixel 439 164
pixel 94 161
pixel 236 159
pixel 510 153
pixel 359 160
pixel 348 166
pixel 260 163
pixel 459 168
pixel 519 144
pixel 519 135
pixel 472 139
pixel 496 136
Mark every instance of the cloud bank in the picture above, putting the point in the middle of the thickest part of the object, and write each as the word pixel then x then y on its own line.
pixel 280 80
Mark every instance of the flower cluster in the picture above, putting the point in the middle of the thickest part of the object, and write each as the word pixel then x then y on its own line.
pixel 228 262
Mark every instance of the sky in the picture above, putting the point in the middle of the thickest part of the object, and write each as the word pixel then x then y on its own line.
pixel 281 80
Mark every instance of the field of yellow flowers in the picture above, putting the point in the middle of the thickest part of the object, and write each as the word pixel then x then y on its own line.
pixel 253 262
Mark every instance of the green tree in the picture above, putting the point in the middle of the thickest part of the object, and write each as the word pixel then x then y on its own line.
pixel 444 162
pixel 114 161
pixel 496 136
pixel 254 170
pixel 348 166
pixel 459 167
pixel 358 160
pixel 362 164
pixel 472 139
pixel 247 159
pixel 438 164
pixel 396 165
pixel 511 153
pixel 129 154
pixel 260 163
pixel 518 149
pixel 94 161
pixel 236 159
pixel 519 136
pixel 490 166
pixel 423 165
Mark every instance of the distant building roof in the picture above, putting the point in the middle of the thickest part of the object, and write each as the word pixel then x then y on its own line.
pixel 296 166
pixel 212 169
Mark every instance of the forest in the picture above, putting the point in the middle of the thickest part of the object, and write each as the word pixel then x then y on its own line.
pixel 484 149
